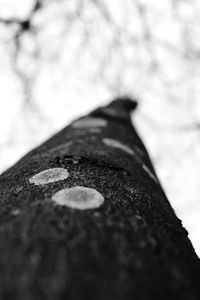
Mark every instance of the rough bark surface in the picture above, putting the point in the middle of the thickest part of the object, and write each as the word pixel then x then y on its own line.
pixel 131 247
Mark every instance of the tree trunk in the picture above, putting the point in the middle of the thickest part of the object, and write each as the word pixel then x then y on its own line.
pixel 83 216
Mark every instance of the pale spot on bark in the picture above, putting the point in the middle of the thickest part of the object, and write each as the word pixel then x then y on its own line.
pixel 148 171
pixel 89 123
pixel 139 151
pixel 94 130
pixel 15 212
pixel 138 158
pixel 111 112
pixel 117 144
pixel 79 197
pixel 49 175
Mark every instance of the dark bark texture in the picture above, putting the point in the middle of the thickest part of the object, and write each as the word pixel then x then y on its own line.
pixel 132 246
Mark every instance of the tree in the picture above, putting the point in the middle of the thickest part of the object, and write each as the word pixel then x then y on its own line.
pixel 75 54
pixel 84 216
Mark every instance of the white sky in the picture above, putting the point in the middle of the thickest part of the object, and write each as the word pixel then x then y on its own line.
pixel 69 82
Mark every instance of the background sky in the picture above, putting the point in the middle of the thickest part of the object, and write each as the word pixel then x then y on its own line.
pixel 71 56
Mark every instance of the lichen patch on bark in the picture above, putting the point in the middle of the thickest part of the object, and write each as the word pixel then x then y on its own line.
pixel 112 112
pixel 49 175
pixel 116 144
pixel 89 123
pixel 94 130
pixel 79 197
pixel 139 151
pixel 148 171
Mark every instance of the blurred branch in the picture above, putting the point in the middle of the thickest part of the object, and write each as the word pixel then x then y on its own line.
pixel 23 27
pixel 120 36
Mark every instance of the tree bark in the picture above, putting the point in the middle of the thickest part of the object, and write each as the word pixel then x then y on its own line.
pixel 84 216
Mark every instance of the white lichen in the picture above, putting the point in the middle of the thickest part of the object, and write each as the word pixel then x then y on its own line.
pixel 94 130
pixel 79 197
pixel 149 172
pixel 111 112
pixel 116 144
pixel 49 175
pixel 139 151
pixel 15 212
pixel 89 123
pixel 138 158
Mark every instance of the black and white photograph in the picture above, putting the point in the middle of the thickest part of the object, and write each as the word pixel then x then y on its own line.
pixel 99 150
